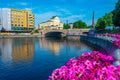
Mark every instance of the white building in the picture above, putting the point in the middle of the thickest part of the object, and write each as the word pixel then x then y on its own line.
pixel 53 24
pixel 0 19
pixel 5 19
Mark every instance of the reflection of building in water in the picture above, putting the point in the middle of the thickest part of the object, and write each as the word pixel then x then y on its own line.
pixel 51 45
pixel 55 46
pixel 6 50
pixel 23 49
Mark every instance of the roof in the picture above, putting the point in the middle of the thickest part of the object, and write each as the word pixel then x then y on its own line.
pixel 54 17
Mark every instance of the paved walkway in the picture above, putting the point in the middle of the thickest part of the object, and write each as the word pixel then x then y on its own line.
pixel 107 38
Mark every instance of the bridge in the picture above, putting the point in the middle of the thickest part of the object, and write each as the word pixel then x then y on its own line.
pixel 64 31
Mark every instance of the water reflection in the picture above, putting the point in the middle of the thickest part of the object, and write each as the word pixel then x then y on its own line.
pixel 16 49
pixel 23 49
pixel 30 58
pixel 55 45
pixel 6 50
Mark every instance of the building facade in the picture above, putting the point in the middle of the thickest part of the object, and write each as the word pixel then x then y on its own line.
pixel 5 19
pixel 53 24
pixel 13 19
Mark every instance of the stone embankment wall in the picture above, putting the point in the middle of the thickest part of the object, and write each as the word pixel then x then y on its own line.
pixel 20 35
pixel 107 45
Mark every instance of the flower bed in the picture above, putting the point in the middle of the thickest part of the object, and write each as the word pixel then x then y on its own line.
pixel 88 66
pixel 117 42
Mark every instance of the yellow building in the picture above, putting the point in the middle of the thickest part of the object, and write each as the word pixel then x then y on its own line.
pixel 22 19
pixel 53 24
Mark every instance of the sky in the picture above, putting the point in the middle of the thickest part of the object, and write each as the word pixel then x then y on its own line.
pixel 71 10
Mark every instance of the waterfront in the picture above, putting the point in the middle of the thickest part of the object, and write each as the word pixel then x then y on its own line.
pixel 36 58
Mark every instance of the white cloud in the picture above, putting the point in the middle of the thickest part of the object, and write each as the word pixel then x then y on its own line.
pixel 28 8
pixel 73 18
pixel 62 10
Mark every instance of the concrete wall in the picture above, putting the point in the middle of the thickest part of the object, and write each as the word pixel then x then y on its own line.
pixel 108 46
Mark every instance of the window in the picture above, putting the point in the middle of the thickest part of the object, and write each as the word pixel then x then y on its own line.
pixel 12 25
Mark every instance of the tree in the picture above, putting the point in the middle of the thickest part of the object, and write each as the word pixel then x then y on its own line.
pixel 36 31
pixel 66 26
pixel 109 19
pixel 101 24
pixel 90 26
pixel 79 24
pixel 116 14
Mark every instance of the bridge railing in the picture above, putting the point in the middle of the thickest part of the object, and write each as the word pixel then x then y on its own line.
pixel 66 31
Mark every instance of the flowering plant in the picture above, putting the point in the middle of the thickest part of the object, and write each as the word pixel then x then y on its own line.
pixel 117 42
pixel 88 66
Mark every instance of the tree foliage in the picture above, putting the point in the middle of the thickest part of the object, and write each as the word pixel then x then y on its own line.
pixel 101 24
pixel 116 14
pixel 66 26
pixel 109 19
pixel 90 26
pixel 79 24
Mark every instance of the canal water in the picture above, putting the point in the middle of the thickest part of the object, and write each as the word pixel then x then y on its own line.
pixel 36 58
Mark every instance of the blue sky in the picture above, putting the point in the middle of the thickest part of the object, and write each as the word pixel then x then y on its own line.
pixel 71 10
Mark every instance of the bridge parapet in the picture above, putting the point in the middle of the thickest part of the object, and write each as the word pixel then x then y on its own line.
pixel 66 31
pixel 76 31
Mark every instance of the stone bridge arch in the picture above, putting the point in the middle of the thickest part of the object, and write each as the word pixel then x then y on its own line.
pixel 43 32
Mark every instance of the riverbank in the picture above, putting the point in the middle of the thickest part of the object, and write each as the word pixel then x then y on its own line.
pixel 107 45
pixel 20 35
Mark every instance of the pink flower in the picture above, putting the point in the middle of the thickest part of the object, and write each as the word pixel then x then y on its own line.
pixel 89 66
pixel 118 36
pixel 117 42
